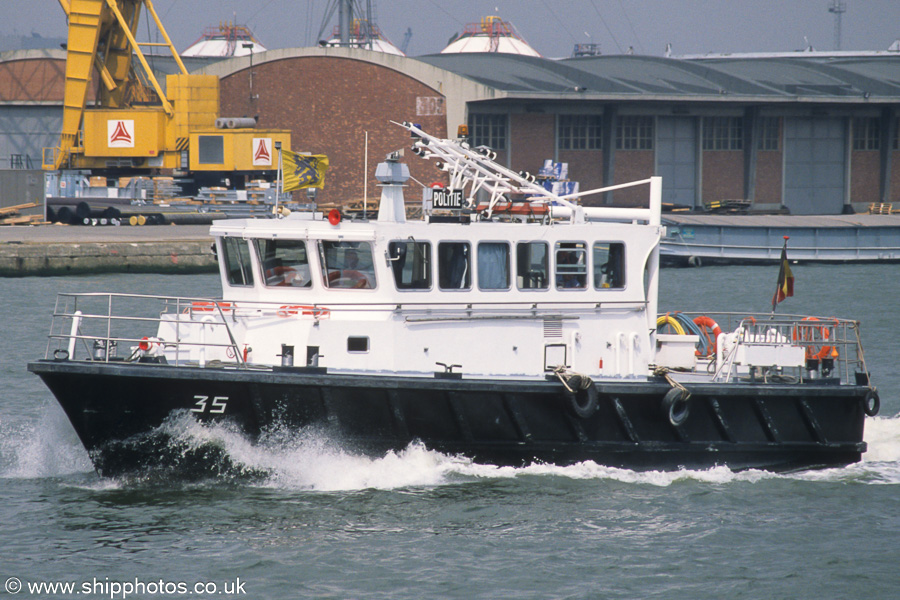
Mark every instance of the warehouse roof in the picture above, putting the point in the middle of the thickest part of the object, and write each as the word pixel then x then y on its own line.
pixel 806 77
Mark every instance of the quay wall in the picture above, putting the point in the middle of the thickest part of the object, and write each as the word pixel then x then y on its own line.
pixel 17 260
pixel 62 250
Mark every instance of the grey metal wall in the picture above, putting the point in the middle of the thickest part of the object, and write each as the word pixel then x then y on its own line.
pixel 22 186
pixel 676 159
pixel 814 165
pixel 25 130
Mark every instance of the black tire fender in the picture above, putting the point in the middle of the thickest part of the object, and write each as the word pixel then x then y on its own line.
pixel 676 407
pixel 871 403
pixel 584 401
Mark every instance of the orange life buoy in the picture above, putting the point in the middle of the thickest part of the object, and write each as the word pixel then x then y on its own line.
pixel 307 310
pixel 710 330
pixel 356 279
pixel 809 335
pixel 200 306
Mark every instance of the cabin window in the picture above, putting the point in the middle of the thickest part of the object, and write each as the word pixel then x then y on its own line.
pixel 609 265
pixel 347 265
pixel 493 266
pixel 571 265
pixel 411 263
pixel 237 261
pixel 454 269
pixel 532 268
pixel 357 344
pixel 284 262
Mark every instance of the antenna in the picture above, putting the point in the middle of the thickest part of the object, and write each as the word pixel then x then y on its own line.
pixel 837 8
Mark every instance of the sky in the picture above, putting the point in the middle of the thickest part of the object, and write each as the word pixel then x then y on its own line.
pixel 552 27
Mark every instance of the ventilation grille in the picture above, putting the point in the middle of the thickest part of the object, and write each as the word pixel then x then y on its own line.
pixel 552 328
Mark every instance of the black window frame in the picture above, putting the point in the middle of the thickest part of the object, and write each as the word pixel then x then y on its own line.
pixel 235 248
pixel 398 256
pixel 444 249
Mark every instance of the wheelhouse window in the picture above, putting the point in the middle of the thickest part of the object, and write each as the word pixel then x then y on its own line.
pixel 488 130
pixel 284 262
pixel 493 266
pixel 454 266
pixel 532 268
pixel 571 265
pixel 238 268
pixel 411 264
pixel 579 132
pixel 609 265
pixel 347 265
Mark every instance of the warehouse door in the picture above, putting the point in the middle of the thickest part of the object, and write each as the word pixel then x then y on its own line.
pixel 676 159
pixel 814 165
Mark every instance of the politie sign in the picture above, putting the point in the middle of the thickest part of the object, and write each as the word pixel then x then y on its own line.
pixel 445 198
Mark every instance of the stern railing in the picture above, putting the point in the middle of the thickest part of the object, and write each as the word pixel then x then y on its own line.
pixel 765 347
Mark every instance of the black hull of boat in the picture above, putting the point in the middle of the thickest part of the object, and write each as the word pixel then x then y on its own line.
pixel 116 408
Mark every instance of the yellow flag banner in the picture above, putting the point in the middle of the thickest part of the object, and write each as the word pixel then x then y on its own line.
pixel 303 171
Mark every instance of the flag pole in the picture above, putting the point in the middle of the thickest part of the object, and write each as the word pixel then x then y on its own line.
pixel 782 288
pixel 279 177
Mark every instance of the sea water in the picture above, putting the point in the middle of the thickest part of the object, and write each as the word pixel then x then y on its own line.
pixel 298 516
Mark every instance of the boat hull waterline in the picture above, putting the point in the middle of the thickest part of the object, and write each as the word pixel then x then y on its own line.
pixel 115 406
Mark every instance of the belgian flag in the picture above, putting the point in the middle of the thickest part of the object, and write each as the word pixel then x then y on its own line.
pixel 785 278
pixel 303 171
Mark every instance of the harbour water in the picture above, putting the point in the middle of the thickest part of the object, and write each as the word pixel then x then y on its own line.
pixel 302 518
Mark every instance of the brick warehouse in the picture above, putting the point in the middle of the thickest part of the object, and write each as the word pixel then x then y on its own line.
pixel 809 132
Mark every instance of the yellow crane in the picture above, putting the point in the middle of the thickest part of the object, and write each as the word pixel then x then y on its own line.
pixel 135 124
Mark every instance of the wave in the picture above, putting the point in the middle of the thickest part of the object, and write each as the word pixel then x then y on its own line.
pixel 45 447
pixel 311 461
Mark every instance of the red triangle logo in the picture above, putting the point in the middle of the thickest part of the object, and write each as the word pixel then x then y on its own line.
pixel 262 153
pixel 120 134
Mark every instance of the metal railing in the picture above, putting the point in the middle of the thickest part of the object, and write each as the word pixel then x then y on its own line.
pixel 807 347
pixel 100 324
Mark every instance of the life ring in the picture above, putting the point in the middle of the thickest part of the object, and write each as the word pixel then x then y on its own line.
pixel 349 278
pixel 283 276
pixel 307 310
pixel 706 325
pixel 584 401
pixel 807 335
pixel 871 403
pixel 675 406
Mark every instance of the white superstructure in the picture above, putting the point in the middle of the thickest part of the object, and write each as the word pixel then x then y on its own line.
pixel 499 287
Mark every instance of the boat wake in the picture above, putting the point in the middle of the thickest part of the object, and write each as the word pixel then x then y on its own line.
pixel 311 461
